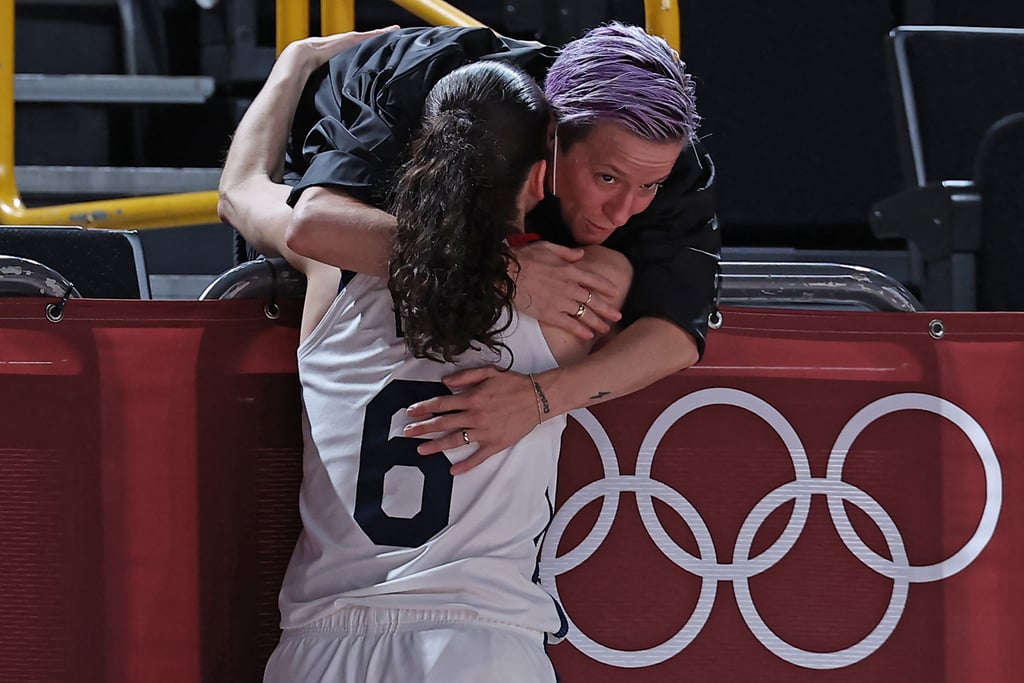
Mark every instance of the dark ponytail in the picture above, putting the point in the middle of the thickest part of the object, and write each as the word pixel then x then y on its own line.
pixel 456 200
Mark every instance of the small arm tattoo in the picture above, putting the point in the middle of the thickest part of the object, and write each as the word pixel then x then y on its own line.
pixel 599 395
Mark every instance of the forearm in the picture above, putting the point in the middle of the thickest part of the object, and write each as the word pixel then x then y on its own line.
pixel 646 351
pixel 496 408
pixel 332 227
pixel 252 198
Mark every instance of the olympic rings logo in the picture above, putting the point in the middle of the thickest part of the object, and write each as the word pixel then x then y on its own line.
pixel 739 572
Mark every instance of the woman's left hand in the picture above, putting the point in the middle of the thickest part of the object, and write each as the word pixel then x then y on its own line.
pixel 494 409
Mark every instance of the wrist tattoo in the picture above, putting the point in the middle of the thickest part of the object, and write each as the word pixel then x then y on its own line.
pixel 599 395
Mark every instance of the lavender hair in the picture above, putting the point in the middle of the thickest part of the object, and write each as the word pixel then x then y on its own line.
pixel 620 73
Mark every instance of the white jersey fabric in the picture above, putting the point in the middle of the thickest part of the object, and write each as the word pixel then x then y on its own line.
pixel 385 527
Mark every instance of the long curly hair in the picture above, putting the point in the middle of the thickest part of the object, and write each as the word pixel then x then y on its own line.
pixel 456 200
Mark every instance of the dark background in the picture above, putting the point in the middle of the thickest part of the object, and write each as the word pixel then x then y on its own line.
pixel 794 95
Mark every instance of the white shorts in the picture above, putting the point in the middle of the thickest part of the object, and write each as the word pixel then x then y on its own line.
pixel 372 645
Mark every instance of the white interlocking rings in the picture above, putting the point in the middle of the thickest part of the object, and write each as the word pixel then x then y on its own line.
pixel 706 566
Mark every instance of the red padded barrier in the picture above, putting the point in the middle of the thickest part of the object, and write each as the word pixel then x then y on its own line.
pixel 150 461
pixel 149 468
pixel 923 437
pixel 51 553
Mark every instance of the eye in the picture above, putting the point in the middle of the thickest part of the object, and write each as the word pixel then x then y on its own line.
pixel 606 178
pixel 652 187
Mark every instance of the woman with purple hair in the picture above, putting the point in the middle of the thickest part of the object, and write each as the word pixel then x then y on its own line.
pixel 626 170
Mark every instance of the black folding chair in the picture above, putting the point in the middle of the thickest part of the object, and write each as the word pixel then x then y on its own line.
pixel 950 84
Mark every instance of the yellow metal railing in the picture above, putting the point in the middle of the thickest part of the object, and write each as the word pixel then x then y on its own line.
pixel 169 210
pixel 337 16
pixel 661 18
pixel 198 208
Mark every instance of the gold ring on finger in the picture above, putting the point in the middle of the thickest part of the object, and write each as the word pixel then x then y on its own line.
pixel 580 311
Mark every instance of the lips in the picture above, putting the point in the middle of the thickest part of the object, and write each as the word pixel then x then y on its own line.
pixel 587 232
pixel 597 228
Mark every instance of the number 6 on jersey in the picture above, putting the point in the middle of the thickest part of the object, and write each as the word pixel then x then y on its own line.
pixel 382 457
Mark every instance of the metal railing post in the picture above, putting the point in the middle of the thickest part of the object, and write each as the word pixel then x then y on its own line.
pixel 291 22
pixel 438 12
pixel 10 200
pixel 661 18
pixel 337 16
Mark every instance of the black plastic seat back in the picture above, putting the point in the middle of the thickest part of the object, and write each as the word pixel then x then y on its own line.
pixel 999 176
pixel 101 264
pixel 951 83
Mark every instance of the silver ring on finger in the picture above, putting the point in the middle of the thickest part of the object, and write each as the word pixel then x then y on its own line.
pixel 465 436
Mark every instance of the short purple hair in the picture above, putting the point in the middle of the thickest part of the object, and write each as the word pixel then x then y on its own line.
pixel 620 73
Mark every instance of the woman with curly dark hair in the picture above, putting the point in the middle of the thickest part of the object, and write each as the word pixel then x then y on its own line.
pixel 404 571
pixel 456 202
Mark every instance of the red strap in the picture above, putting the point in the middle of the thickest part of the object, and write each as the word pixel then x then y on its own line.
pixel 519 239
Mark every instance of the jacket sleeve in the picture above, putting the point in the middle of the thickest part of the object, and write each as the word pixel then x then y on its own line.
pixel 359 111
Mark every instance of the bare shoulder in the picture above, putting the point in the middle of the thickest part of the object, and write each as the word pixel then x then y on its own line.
pixel 609 263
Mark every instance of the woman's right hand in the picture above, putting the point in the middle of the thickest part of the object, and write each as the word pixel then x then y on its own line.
pixel 315 51
pixel 552 287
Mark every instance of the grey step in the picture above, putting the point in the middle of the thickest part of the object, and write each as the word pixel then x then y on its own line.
pixel 111 88
pixel 179 286
pixel 100 181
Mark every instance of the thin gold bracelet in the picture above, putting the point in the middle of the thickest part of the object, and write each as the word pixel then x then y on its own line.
pixel 541 399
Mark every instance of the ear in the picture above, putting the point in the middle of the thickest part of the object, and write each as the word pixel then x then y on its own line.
pixel 535 181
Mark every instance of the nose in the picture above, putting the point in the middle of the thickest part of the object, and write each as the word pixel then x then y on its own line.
pixel 619 208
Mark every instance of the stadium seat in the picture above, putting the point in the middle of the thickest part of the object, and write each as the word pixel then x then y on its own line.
pixel 102 264
pixel 949 85
pixel 999 177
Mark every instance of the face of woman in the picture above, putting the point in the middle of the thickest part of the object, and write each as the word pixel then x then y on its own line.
pixel 607 177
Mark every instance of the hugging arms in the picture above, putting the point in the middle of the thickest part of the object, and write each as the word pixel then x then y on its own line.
pixel 640 185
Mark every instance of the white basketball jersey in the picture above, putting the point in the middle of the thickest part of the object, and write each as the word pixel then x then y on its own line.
pixel 385 526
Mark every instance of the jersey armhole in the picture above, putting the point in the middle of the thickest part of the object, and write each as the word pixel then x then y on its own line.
pixel 328 319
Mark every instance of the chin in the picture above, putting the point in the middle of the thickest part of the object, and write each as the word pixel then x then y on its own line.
pixel 586 236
